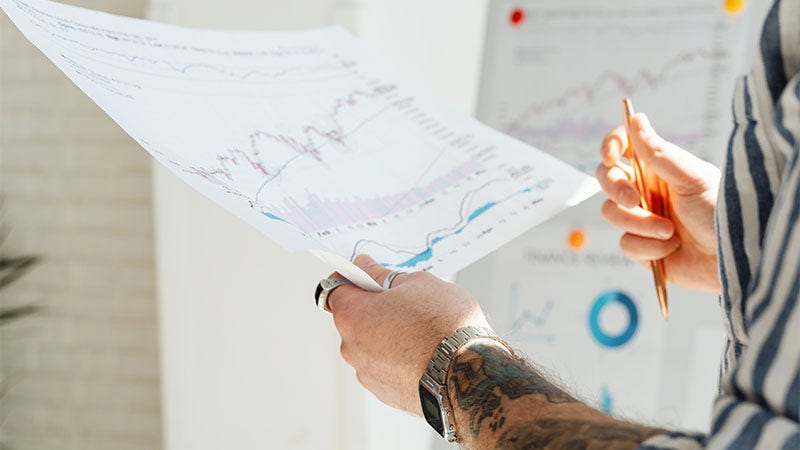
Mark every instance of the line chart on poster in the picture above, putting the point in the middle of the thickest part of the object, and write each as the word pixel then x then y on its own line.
pixel 594 60
pixel 581 114
pixel 613 84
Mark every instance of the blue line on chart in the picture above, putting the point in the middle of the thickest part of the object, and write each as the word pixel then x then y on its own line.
pixel 529 317
pixel 274 217
pixel 427 254
pixel 519 319
pixel 431 233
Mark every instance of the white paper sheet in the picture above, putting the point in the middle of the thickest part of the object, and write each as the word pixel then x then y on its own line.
pixel 309 137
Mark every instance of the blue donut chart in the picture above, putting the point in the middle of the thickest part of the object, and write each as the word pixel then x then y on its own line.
pixel 604 300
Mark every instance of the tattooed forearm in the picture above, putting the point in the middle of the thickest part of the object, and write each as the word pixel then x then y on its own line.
pixel 484 374
pixel 565 434
pixel 502 402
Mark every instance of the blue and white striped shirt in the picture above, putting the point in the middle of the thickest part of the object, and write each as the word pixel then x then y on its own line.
pixel 758 227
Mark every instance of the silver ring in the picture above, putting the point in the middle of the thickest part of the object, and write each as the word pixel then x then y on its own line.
pixel 387 282
pixel 324 289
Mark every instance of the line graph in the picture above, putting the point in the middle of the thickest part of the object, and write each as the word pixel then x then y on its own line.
pixel 436 237
pixel 308 136
pixel 482 195
pixel 621 84
pixel 526 323
pixel 319 214
pixel 324 216
pixel 332 137
pixel 269 155
pixel 55 26
pixel 311 140
pixel 591 129
pixel 557 81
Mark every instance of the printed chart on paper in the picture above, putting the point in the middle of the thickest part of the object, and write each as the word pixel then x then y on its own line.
pixel 308 136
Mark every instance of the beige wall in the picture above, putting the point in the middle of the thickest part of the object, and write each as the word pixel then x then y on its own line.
pixel 83 373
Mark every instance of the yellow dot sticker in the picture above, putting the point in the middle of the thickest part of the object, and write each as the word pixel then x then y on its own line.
pixel 734 6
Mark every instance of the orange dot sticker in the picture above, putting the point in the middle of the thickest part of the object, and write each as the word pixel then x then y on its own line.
pixel 576 240
pixel 517 17
pixel 734 6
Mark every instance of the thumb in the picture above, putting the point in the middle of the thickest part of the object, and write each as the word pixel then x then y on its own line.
pixel 683 171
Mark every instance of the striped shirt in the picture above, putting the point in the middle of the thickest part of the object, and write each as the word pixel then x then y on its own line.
pixel 758 228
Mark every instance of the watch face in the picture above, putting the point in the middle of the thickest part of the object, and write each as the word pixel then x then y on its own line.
pixel 431 409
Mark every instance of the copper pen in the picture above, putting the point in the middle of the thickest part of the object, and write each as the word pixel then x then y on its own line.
pixel 653 197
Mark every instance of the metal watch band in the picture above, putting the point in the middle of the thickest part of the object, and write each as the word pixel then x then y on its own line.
pixel 433 383
pixel 440 362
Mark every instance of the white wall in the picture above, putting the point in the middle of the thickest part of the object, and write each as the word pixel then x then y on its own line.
pixel 439 44
pixel 247 361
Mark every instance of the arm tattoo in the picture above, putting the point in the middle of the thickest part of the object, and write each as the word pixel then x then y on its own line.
pixel 563 434
pixel 484 374
pixel 484 377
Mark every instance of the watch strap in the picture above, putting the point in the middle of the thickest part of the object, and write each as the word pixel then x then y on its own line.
pixel 440 362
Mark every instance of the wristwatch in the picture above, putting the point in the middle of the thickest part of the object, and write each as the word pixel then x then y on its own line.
pixel 436 406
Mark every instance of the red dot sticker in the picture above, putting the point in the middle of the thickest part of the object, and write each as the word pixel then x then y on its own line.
pixel 516 17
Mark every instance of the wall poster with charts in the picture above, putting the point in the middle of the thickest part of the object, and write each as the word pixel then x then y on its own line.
pixel 554 75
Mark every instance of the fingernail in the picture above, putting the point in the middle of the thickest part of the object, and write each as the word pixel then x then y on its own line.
pixel 665 230
pixel 629 197
pixel 644 124
pixel 613 145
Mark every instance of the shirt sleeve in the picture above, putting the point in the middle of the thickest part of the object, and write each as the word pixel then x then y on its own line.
pixel 759 403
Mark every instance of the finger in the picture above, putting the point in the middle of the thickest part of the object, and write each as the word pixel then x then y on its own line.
pixel 614 146
pixel 637 221
pixel 344 296
pixel 647 249
pixel 376 271
pixel 683 171
pixel 615 183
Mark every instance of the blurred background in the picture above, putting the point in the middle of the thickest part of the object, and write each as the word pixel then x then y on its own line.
pixel 137 314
